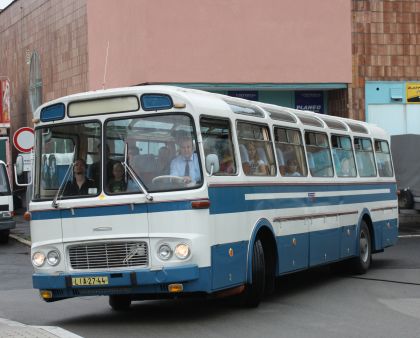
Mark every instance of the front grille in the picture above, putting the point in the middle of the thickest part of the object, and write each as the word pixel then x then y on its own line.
pixel 109 255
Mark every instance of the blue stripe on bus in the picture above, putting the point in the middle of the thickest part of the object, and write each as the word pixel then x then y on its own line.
pixel 232 199
pixel 229 199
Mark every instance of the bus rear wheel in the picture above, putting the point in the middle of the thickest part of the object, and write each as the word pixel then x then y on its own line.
pixel 119 302
pixel 254 292
pixel 361 263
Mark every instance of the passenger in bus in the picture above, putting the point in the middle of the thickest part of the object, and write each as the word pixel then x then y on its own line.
pixel 52 176
pixel 227 164
pixel 186 164
pixel 95 169
pixel 292 168
pixel 80 185
pixel 117 184
pixel 163 162
pixel 346 169
pixel 255 166
pixel 133 159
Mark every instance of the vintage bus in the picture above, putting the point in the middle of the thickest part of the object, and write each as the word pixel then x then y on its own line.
pixel 162 192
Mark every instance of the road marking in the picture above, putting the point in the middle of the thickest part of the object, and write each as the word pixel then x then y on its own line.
pixel 409 236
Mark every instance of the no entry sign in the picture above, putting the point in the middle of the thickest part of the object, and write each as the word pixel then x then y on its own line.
pixel 23 139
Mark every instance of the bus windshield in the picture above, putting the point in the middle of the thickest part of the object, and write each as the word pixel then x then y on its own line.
pixel 65 154
pixel 159 150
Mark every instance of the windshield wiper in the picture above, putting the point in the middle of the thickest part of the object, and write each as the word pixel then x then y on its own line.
pixel 60 190
pixel 134 176
pixel 58 195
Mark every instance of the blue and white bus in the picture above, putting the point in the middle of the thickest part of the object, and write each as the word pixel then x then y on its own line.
pixel 158 192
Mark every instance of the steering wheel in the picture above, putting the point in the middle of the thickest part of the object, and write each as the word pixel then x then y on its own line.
pixel 168 179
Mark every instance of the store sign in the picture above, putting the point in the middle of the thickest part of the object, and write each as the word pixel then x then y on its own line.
pixel 413 92
pixel 310 100
pixel 244 94
pixel 5 101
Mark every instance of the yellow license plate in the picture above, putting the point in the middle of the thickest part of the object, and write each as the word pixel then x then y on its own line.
pixel 94 280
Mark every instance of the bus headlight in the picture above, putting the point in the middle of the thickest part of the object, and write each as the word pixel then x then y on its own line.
pixel 38 259
pixel 53 257
pixel 165 252
pixel 182 251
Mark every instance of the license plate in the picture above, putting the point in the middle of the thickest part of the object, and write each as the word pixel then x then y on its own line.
pixel 94 280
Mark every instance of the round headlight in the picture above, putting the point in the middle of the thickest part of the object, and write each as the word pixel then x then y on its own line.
pixel 165 252
pixel 38 259
pixel 182 251
pixel 53 258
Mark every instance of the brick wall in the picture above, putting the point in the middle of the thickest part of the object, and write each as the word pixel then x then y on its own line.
pixel 338 102
pixel 386 46
pixel 57 30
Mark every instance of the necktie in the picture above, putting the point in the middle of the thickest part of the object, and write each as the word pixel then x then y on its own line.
pixel 187 168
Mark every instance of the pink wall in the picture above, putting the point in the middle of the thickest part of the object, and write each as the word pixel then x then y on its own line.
pixel 222 41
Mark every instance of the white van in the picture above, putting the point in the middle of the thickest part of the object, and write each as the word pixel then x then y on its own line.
pixel 6 205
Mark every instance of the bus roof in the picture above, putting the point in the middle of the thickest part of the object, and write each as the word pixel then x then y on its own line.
pixel 199 98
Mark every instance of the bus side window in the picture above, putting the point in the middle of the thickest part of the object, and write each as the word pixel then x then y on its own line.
pixel 256 149
pixel 290 152
pixel 343 156
pixel 318 149
pixel 383 159
pixel 364 157
pixel 217 140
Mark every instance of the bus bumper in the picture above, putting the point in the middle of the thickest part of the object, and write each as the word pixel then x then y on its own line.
pixel 135 282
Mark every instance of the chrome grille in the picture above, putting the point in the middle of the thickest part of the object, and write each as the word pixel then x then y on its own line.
pixel 109 255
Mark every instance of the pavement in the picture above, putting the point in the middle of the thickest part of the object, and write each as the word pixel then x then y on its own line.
pixel 409 226
pixel 9 328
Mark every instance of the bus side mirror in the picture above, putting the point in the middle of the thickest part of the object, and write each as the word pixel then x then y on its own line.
pixel 212 164
pixel 19 171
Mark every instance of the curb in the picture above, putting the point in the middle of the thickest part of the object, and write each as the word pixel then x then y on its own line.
pixel 21 240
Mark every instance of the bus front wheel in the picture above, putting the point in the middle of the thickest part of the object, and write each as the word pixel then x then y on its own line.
pixel 119 302
pixel 361 262
pixel 255 291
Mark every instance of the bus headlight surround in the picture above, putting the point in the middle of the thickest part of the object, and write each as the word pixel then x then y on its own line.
pixel 53 257
pixel 182 251
pixel 165 252
pixel 38 259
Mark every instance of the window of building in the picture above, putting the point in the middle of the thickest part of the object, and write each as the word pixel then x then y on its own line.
pixel 35 82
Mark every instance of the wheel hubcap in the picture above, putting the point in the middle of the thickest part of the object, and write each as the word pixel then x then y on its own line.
pixel 364 247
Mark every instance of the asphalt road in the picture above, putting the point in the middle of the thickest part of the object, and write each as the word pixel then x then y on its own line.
pixel 383 303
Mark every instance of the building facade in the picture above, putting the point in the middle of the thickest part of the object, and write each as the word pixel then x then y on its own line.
pixel 328 56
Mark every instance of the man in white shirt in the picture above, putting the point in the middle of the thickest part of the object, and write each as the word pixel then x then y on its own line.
pixel 186 164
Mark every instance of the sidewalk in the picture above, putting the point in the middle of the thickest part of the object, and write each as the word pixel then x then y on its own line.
pixel 10 328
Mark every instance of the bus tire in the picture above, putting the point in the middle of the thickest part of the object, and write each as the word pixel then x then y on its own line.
pixel 361 263
pixel 4 236
pixel 254 292
pixel 119 302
